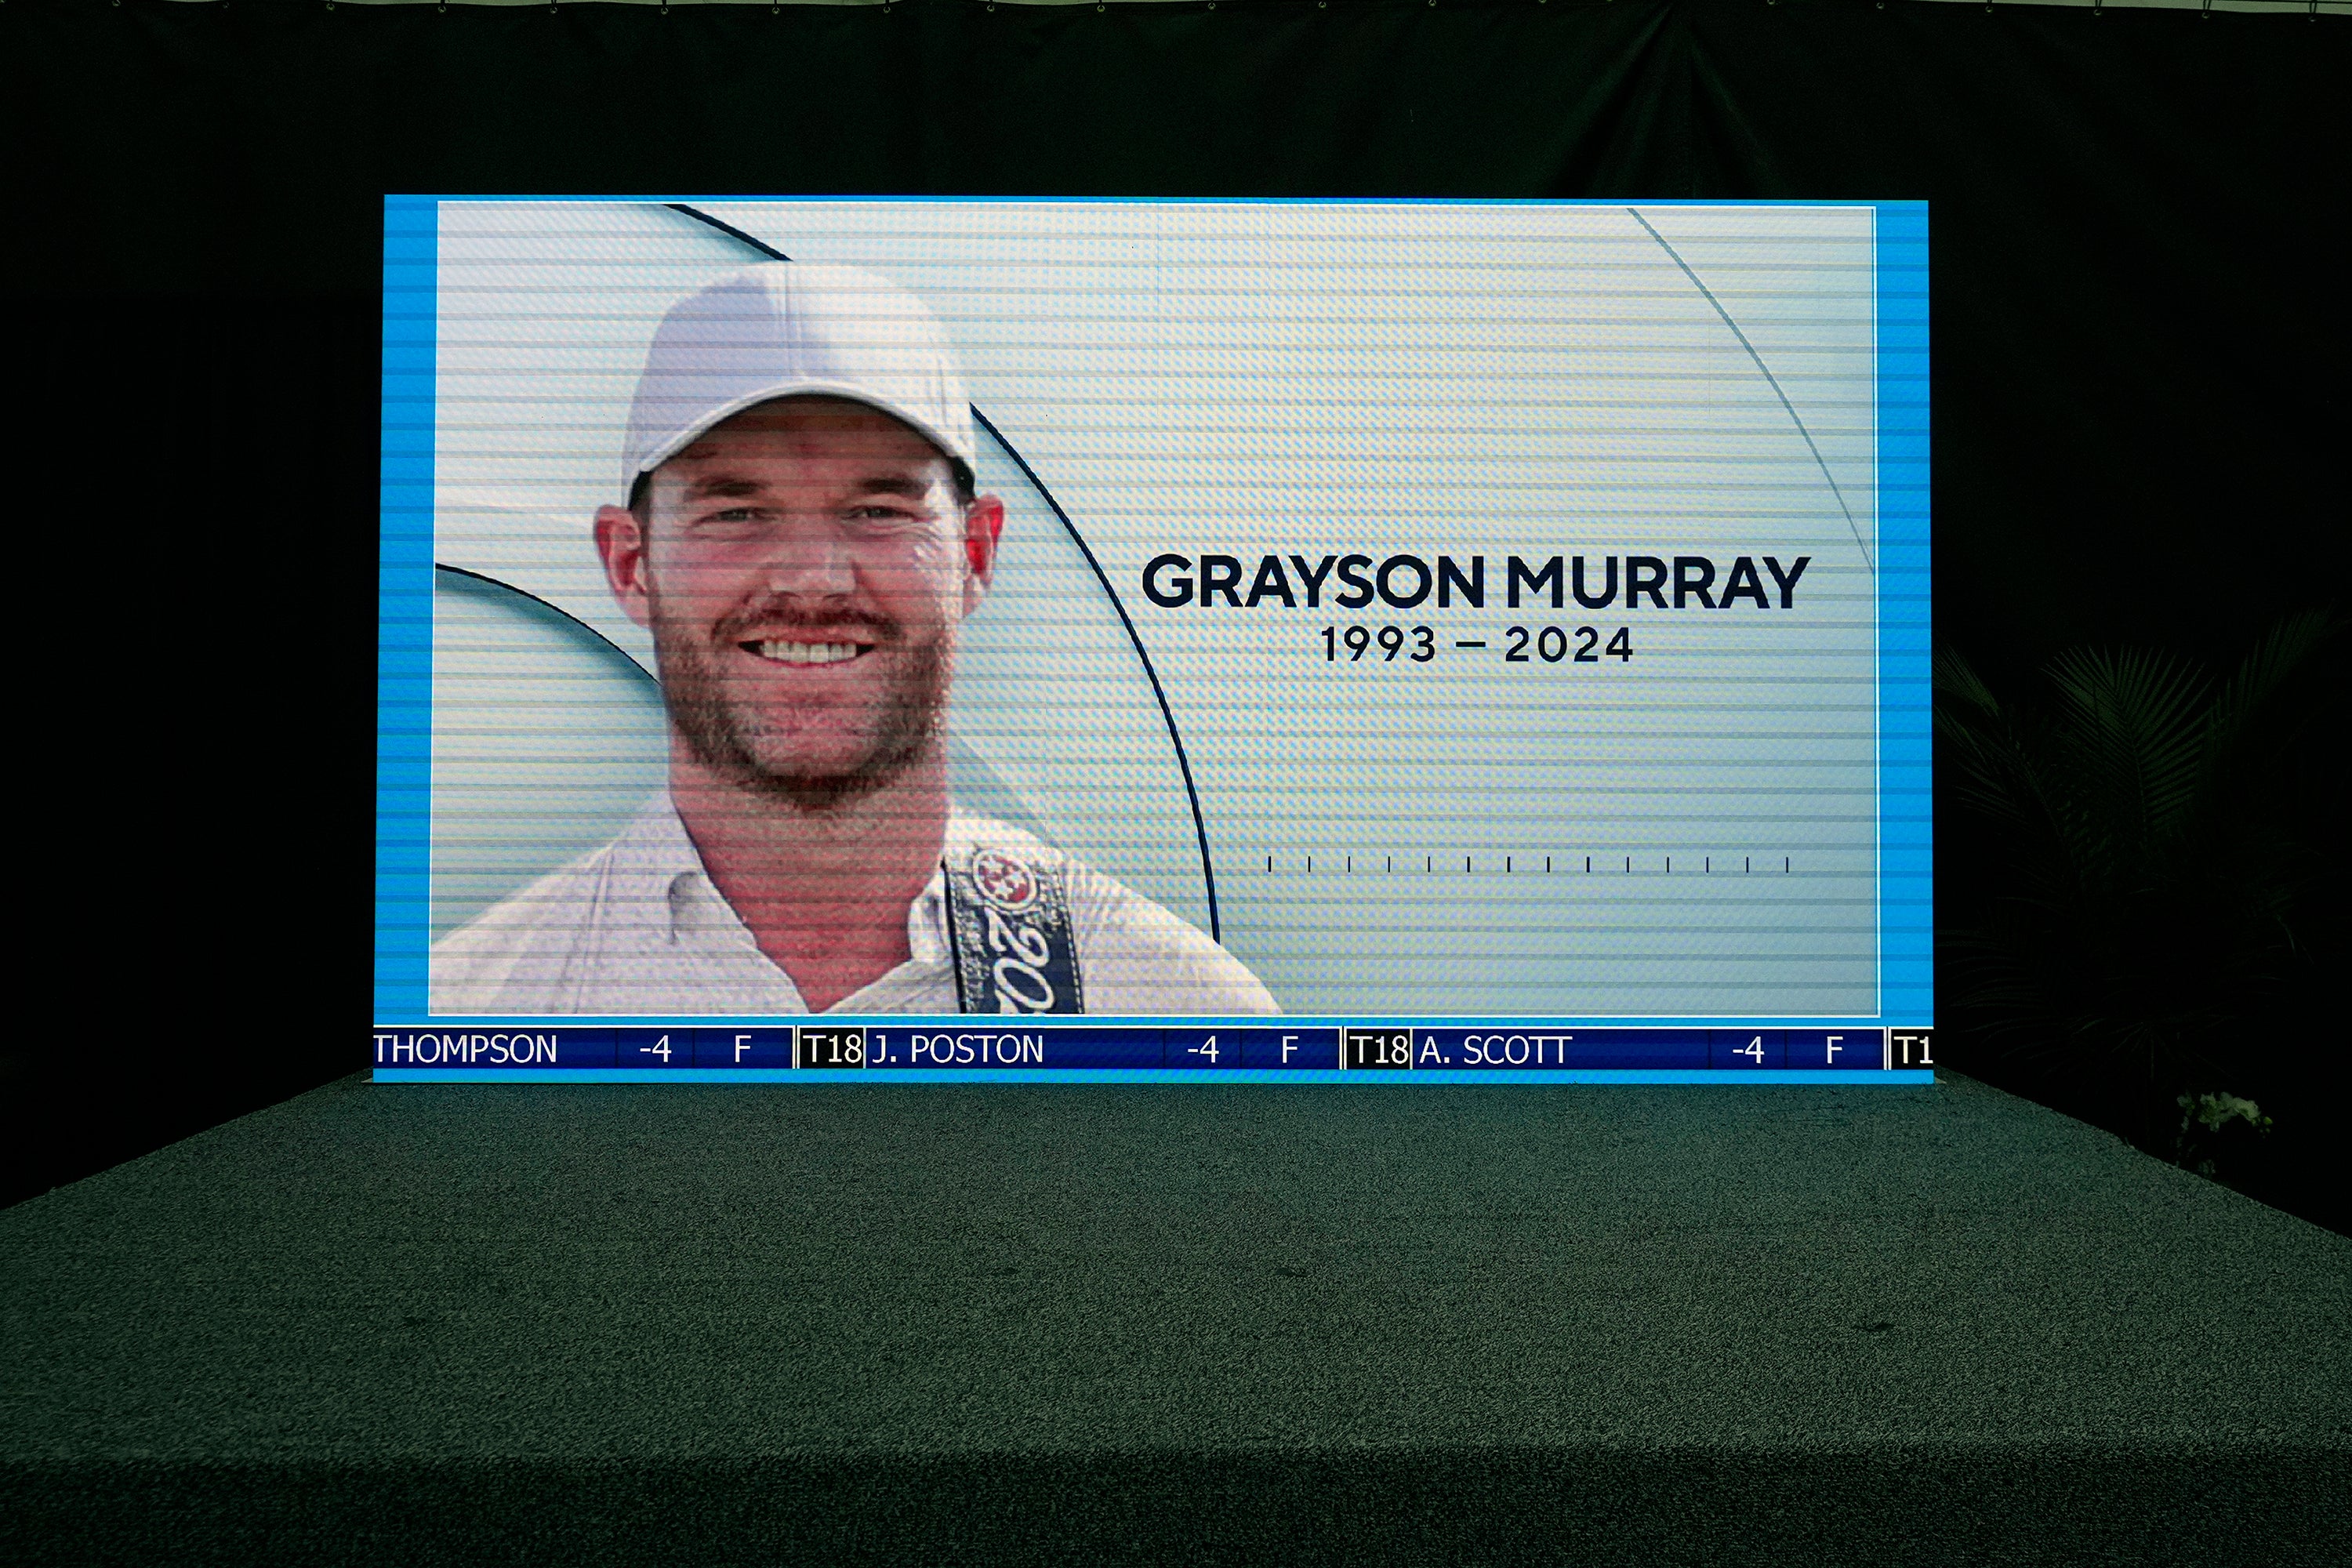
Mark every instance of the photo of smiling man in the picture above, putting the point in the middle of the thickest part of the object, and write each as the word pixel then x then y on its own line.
pixel 802 537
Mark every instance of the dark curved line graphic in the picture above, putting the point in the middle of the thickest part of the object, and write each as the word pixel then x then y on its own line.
pixel 1771 379
pixel 1184 762
pixel 728 229
pixel 551 608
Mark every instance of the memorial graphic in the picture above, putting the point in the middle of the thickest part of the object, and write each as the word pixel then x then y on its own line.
pixel 1385 615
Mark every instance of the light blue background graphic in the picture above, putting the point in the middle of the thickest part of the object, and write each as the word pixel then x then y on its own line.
pixel 1749 790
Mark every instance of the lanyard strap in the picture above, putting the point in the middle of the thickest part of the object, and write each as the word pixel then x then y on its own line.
pixel 1009 919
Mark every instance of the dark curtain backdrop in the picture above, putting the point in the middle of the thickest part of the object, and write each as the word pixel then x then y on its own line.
pixel 2139 283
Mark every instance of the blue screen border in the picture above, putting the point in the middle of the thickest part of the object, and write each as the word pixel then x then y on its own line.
pixel 1905 734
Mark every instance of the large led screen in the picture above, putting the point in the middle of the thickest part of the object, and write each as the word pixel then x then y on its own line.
pixel 1045 638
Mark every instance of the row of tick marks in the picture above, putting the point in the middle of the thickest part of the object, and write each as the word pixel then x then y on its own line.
pixel 1510 865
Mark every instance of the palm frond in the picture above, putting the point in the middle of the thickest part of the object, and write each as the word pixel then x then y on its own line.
pixel 1991 763
pixel 1956 681
pixel 2248 697
pixel 2142 883
pixel 2130 728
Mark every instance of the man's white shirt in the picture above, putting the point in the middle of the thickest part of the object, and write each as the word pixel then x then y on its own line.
pixel 639 928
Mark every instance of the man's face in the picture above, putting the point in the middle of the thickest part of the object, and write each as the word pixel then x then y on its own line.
pixel 803 568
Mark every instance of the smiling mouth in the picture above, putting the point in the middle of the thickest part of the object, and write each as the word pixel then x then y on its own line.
pixel 806 653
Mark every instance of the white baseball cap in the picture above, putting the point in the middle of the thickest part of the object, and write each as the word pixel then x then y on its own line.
pixel 788 328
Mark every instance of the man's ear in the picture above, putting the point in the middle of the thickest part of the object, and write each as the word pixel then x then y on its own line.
pixel 983 527
pixel 620 541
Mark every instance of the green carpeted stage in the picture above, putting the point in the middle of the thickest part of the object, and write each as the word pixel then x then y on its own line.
pixel 1168 1324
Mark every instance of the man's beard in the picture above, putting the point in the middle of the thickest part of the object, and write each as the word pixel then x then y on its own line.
pixel 724 737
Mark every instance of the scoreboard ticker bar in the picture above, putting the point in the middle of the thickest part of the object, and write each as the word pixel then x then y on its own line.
pixel 1011 1048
